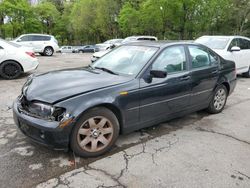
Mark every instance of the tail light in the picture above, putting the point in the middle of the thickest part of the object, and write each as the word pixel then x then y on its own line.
pixel 31 54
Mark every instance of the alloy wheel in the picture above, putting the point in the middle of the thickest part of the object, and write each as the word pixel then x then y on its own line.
pixel 48 51
pixel 95 134
pixel 220 99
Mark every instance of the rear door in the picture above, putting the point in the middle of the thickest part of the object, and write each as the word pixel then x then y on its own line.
pixel 244 54
pixel 37 42
pixel 204 75
pixel 163 96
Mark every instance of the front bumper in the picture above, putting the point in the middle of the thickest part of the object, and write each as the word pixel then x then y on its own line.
pixel 44 132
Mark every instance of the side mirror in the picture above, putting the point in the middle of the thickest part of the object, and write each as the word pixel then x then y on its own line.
pixel 158 74
pixel 19 40
pixel 235 49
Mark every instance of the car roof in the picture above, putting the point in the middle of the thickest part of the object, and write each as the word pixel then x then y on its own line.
pixel 37 34
pixel 225 36
pixel 142 36
pixel 159 44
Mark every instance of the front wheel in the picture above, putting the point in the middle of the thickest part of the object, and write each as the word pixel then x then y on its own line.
pixel 219 99
pixel 95 133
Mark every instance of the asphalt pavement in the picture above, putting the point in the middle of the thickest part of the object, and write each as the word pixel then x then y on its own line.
pixel 198 150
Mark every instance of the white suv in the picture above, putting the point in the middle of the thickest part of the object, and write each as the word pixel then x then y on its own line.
pixel 234 48
pixel 139 38
pixel 42 44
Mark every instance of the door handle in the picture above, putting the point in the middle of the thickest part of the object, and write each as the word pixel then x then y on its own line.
pixel 185 78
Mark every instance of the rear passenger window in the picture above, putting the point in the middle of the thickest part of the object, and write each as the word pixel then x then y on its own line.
pixel 199 57
pixel 172 59
pixel 46 38
pixel 214 59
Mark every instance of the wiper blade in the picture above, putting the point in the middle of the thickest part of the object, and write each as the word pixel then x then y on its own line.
pixel 90 66
pixel 106 70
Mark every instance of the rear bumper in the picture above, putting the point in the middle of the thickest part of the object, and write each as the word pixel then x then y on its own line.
pixel 33 66
pixel 42 131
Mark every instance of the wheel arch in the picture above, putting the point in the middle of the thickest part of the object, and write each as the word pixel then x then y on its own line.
pixel 226 84
pixel 113 108
pixel 49 46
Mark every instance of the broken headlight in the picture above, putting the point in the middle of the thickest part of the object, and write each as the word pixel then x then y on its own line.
pixel 46 111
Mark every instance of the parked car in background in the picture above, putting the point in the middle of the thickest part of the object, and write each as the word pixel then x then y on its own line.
pixel 76 49
pixel 15 60
pixel 43 44
pixel 66 49
pixel 99 54
pixel 134 86
pixel 115 42
pixel 234 48
pixel 87 48
pixel 139 38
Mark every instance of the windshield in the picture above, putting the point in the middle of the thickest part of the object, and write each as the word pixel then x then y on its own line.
pixel 11 43
pixel 126 60
pixel 214 42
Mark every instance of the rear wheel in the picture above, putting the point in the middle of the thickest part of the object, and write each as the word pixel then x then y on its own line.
pixel 10 70
pixel 247 74
pixel 95 133
pixel 219 99
pixel 48 51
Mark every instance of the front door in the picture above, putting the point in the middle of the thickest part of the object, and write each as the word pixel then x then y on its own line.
pixel 162 96
pixel 242 57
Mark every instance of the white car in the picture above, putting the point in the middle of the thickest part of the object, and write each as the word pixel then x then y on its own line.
pixel 42 44
pixel 66 49
pixel 99 54
pixel 115 42
pixel 15 60
pixel 234 48
pixel 139 38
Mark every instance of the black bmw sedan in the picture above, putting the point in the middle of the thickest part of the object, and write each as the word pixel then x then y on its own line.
pixel 134 86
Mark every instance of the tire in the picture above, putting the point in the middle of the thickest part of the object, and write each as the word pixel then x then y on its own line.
pixel 95 133
pixel 247 74
pixel 48 51
pixel 219 100
pixel 10 70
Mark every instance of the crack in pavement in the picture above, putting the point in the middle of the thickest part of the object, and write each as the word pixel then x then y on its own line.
pixel 223 134
pixel 248 177
pixel 107 174
pixel 64 180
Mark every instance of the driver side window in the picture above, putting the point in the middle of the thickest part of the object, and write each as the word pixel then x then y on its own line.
pixel 171 60
pixel 234 42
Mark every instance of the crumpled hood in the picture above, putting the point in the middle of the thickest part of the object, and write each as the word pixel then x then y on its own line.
pixel 58 85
